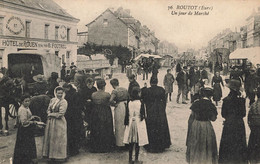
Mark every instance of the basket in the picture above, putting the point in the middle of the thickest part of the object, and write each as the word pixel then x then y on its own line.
pixel 39 127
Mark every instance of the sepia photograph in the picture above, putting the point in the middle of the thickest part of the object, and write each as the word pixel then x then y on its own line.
pixel 129 82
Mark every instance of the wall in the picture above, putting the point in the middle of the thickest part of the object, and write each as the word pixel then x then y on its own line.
pixel 114 33
pixel 14 27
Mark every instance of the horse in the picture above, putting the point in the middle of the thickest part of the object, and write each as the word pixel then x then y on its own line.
pixel 10 91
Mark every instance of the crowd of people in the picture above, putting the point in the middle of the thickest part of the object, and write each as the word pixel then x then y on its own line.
pixel 80 115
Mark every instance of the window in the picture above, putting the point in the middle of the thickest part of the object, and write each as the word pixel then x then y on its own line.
pixel 27 29
pixel 56 32
pixel 63 58
pixel 57 53
pixel 1 25
pixel 68 34
pixel 105 22
pixel 46 31
pixel 1 57
pixel 68 54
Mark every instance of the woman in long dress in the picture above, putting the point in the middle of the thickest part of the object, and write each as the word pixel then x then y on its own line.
pixel 119 97
pixel 55 138
pixel 135 131
pixel 217 91
pixel 25 148
pixel 254 124
pixel 101 125
pixel 233 148
pixel 156 122
pixel 202 145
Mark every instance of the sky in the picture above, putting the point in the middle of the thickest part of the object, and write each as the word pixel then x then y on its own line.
pixel 185 31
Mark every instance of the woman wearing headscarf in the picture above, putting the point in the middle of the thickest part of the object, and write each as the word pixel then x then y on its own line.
pixel 202 145
pixel 74 120
pixel 55 138
pixel 233 148
pixel 156 122
pixel 254 124
pixel 119 97
pixel 217 91
pixel 101 121
pixel 25 148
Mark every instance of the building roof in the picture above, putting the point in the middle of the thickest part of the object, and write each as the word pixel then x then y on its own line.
pixel 43 5
pixel 108 10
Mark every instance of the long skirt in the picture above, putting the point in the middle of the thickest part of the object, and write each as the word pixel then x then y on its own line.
pixel 217 92
pixel 119 115
pixel 25 148
pixel 202 148
pixel 157 127
pixel 254 145
pixel 190 121
pixel 55 138
pixel 102 137
pixel 233 147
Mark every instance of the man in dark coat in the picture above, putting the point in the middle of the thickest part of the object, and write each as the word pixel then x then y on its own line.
pixel 41 86
pixel 85 93
pixel 156 122
pixel 145 66
pixel 52 84
pixel 197 74
pixel 182 80
pixel 204 75
pixel 133 83
pixel 236 74
pixel 251 85
pixel 155 68
pixel 63 72
pixel 74 120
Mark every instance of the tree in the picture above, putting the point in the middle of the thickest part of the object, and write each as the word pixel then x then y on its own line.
pixel 122 53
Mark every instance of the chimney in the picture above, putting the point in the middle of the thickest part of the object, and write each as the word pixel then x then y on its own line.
pixel 127 11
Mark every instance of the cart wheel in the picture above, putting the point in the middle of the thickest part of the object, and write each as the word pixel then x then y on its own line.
pixel 12 111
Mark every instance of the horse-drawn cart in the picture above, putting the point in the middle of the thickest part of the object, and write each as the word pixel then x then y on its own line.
pixel 22 67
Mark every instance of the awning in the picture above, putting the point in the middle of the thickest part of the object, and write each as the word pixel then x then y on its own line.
pixel 252 54
pixel 147 56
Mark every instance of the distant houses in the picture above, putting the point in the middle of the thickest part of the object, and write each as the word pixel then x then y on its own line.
pixel 120 28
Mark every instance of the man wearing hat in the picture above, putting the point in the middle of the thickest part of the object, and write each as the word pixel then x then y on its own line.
pixel 182 80
pixel 236 74
pixel 41 85
pixel 251 85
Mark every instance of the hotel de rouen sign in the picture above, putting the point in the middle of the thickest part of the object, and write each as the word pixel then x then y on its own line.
pixel 30 44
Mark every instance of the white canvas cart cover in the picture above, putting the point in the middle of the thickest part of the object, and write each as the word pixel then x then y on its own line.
pixel 50 62
pixel 252 54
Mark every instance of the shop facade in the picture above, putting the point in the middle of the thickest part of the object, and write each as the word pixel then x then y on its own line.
pixel 40 25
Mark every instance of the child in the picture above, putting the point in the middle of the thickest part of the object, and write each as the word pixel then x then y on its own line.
pixel 135 132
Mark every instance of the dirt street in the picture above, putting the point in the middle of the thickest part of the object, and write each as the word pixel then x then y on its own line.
pixel 177 114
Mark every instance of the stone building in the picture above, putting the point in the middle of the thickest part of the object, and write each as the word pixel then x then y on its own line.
pixel 252 29
pixel 37 25
pixel 226 39
pixel 120 28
